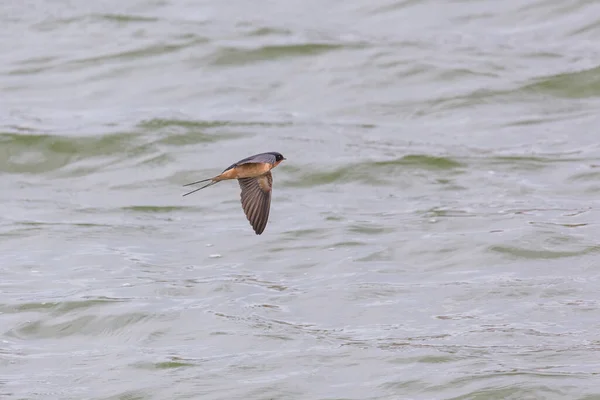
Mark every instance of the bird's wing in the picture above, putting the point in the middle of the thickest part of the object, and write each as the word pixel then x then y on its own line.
pixel 256 200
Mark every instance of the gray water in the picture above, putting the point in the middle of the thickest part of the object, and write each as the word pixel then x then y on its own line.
pixel 433 232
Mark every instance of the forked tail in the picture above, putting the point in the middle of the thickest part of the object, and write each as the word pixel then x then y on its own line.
pixel 200 188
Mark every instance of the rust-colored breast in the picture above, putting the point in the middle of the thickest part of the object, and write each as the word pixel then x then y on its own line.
pixel 251 170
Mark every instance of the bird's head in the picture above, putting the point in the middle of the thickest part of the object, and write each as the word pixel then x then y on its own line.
pixel 278 157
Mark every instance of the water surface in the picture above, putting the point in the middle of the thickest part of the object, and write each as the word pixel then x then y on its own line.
pixel 433 232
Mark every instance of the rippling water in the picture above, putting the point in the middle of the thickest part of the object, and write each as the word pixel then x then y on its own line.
pixel 433 233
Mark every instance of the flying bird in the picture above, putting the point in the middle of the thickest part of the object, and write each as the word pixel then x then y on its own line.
pixel 254 176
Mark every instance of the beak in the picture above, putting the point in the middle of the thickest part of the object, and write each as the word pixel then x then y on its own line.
pixel 284 158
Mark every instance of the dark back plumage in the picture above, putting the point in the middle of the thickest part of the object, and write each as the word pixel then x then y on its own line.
pixel 270 157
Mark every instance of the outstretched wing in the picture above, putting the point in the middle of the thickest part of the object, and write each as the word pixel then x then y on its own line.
pixel 256 200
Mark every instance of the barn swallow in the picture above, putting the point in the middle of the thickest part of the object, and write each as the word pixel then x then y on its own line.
pixel 254 176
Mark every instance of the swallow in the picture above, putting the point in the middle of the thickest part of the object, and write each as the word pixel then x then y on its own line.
pixel 254 176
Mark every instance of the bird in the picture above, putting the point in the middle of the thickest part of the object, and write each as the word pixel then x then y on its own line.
pixel 254 177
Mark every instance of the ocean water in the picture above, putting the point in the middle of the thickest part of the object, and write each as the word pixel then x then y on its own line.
pixel 433 232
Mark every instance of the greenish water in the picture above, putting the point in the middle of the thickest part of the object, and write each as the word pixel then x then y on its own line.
pixel 433 233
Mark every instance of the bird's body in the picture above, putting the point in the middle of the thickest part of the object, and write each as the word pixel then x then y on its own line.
pixel 254 176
